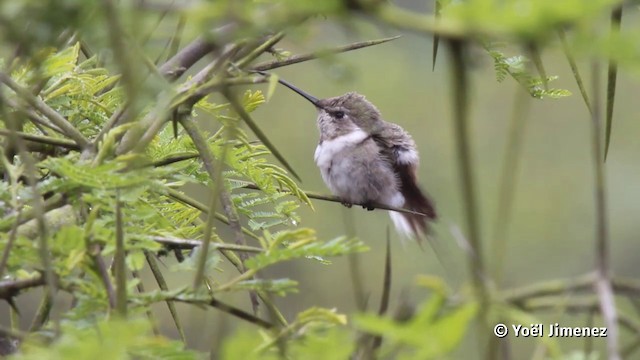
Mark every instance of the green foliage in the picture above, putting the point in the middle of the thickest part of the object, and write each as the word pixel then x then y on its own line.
pixel 302 243
pixel 108 339
pixel 434 331
pixel 524 19
pixel 88 96
pixel 517 68
pixel 316 333
pixel 319 344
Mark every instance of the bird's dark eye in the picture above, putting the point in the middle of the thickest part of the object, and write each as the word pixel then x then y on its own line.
pixel 338 114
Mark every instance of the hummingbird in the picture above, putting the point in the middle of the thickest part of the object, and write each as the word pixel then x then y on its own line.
pixel 365 160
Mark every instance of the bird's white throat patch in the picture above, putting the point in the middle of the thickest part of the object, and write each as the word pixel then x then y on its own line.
pixel 329 148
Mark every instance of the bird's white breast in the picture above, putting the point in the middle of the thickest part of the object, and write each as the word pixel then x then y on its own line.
pixel 326 150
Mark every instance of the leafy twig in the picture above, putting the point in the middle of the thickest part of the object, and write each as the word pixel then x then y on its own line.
pixel 37 200
pixel 51 203
pixel 260 49
pixel 200 206
pixel 237 107
pixel 57 119
pixel 41 139
pixel 239 313
pixel 269 65
pixel 193 52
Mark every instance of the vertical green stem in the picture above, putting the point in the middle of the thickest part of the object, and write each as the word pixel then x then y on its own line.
pixel 612 75
pixel 510 166
pixel 574 68
pixel 162 284
pixel 215 172
pixel 119 262
pixel 603 267
pixel 465 162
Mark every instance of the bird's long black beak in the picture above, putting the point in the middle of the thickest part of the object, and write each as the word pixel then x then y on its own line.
pixel 312 99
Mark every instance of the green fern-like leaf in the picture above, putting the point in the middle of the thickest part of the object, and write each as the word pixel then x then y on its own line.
pixel 300 244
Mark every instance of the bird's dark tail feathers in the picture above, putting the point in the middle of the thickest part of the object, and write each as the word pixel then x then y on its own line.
pixel 412 225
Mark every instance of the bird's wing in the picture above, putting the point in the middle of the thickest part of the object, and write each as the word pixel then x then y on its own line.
pixel 399 148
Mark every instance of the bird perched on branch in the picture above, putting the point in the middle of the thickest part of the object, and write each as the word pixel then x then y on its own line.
pixel 365 160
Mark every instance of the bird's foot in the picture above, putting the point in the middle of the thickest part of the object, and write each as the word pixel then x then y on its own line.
pixel 347 204
pixel 369 207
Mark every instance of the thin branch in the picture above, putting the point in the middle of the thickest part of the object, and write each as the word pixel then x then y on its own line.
pixel 534 51
pixel 309 194
pixel 355 266
pixel 141 290
pixel 551 287
pixel 154 121
pixel 260 49
pixel 626 286
pixel 318 54
pixel 239 313
pixel 101 268
pixel 180 105
pixel 51 203
pixel 331 198
pixel 42 314
pixel 37 120
pixel 174 159
pixel 38 204
pixel 119 262
pixel 174 194
pixel 41 139
pixel 612 75
pixel 157 274
pixel 436 37
pixel 465 164
pixel 12 238
pixel 602 251
pixel 11 288
pixel 122 56
pixel 171 71
pixel 214 169
pixel 574 69
pixel 57 119
pixel 193 52
pixel 237 107
pixel 176 243
pixel 574 305
pixel 508 177
pixel 386 291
